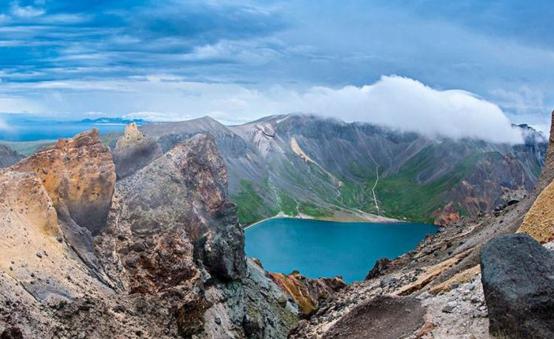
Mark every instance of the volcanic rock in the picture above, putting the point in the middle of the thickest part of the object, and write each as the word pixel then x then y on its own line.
pixel 8 156
pixel 133 151
pixel 159 254
pixel 79 176
pixel 307 293
pixel 518 281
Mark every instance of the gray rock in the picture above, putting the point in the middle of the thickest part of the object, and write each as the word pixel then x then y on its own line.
pixel 518 281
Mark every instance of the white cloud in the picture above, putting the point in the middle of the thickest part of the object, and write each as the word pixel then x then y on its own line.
pixel 408 105
pixel 395 102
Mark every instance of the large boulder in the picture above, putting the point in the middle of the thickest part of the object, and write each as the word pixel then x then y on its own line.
pixel 518 281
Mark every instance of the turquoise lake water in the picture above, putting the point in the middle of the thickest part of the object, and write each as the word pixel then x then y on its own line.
pixel 327 249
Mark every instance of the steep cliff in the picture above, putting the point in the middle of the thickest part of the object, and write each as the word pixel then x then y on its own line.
pixel 157 253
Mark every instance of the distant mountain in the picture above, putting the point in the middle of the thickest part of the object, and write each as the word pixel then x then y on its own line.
pixel 105 120
pixel 303 164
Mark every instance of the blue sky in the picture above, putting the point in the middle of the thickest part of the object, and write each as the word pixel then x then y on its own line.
pixel 238 60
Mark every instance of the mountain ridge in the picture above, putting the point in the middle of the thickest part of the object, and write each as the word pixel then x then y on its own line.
pixel 300 164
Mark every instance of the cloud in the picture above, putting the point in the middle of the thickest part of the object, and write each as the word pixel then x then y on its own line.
pixel 396 102
pixel 409 105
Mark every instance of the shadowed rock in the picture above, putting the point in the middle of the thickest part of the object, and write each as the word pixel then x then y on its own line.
pixel 518 281
pixel 133 151
pixel 8 156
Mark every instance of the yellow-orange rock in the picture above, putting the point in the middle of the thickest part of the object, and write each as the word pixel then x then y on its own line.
pixel 307 293
pixel 78 175
pixel 539 221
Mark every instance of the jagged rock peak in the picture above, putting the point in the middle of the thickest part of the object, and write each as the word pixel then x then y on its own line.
pixel 79 176
pixel 169 262
pixel 133 151
pixel 131 136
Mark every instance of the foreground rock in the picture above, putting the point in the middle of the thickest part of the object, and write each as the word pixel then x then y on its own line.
pixel 518 281
pixel 157 254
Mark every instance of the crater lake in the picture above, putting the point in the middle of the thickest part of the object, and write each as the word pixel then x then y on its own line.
pixel 327 248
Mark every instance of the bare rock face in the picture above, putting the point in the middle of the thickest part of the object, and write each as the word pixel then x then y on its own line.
pixel 539 221
pixel 133 151
pixel 518 281
pixel 159 254
pixel 8 156
pixel 79 176
pixel 172 211
pixel 307 293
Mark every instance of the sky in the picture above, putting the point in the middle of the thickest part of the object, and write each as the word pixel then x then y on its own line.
pixel 455 68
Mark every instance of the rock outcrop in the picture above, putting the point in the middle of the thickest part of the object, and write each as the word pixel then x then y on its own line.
pixel 79 176
pixel 307 293
pixel 159 253
pixel 518 281
pixel 133 151
pixel 8 156
pixel 539 221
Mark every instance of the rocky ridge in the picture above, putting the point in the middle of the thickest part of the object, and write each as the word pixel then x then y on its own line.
pixel 8 156
pixel 444 275
pixel 156 253
pixel 306 165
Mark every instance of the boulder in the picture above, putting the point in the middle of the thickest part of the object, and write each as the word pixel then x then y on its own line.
pixel 518 281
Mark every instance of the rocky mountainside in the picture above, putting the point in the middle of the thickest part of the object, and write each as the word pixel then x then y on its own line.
pixel 153 252
pixel 301 164
pixel 474 279
pixel 8 156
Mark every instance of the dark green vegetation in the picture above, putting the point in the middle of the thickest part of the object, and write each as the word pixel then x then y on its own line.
pixel 250 205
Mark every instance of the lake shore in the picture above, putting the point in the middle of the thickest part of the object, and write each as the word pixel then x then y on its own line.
pixel 339 216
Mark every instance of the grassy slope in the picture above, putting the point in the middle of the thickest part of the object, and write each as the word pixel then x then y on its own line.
pixel 400 196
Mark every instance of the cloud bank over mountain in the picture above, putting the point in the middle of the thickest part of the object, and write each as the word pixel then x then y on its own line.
pixel 393 101
pixel 409 105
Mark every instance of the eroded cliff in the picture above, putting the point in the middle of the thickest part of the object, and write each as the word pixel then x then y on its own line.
pixel 157 253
